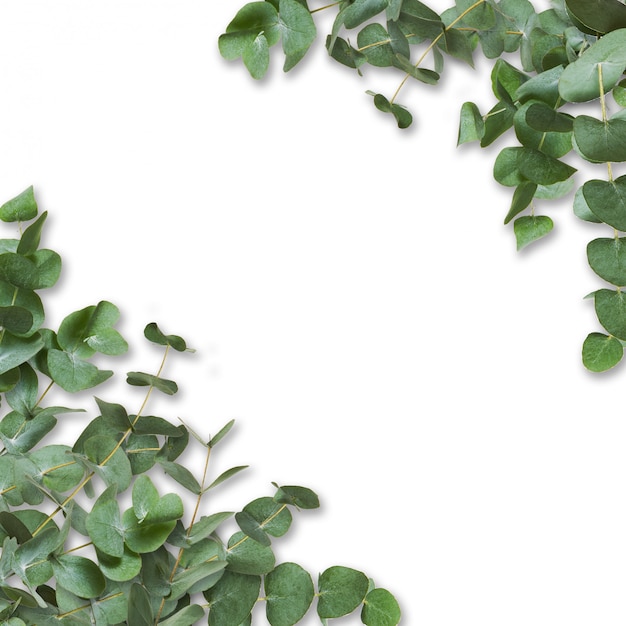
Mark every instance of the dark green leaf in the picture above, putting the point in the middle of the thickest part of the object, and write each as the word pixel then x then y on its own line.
pixel 139 607
pixel 301 497
pixel 231 600
pixel 611 311
pixel 607 201
pixel 599 141
pixel 289 592
pixel 380 608
pixel 597 17
pixel 154 334
pixel 607 258
pixel 249 557
pixel 141 379
pixel 522 197
pixel 341 590
pixel 79 575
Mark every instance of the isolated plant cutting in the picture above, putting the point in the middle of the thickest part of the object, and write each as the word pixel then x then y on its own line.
pixel 546 65
pixel 87 536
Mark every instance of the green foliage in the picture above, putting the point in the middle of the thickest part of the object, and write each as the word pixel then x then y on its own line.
pixel 129 553
pixel 545 65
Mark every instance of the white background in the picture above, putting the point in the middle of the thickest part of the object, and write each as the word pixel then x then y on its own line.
pixel 356 303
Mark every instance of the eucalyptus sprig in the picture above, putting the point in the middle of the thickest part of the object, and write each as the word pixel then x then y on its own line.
pixel 570 54
pixel 86 536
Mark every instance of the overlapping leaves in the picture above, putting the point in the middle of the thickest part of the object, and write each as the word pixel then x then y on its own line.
pixel 125 554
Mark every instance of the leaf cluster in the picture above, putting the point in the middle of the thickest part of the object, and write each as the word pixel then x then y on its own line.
pixel 572 54
pixel 86 535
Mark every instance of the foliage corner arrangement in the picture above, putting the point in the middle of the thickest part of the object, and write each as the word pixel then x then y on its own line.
pixel 87 536
pixel 559 92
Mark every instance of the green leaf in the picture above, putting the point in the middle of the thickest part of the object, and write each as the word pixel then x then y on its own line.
pixel 344 53
pixel 105 525
pixel 472 125
pixel 16 319
pixel 249 557
pixel 619 93
pixel 229 473
pixel 47 265
pixel 522 197
pixel 543 87
pixel 598 141
pixel 60 471
pixel 182 476
pixel 289 592
pixel 140 611
pixel 249 35
pixel 17 270
pixel 17 350
pixel 220 434
pixel 26 299
pixel 380 608
pixel 497 121
pixel 252 528
pixel 375 43
pixel 21 434
pixel 144 537
pixel 607 258
pixel 607 201
pixel 544 118
pixel 21 208
pixel 154 334
pixel 542 169
pixel 341 590
pixel 581 208
pixel 580 80
pixel 361 11
pixel 79 575
pixel 422 21
pixel 611 311
pixel 273 517
pixel 403 118
pixel 207 525
pixel 298 31
pixel 72 373
pixel 141 379
pixel 597 17
pixel 601 352
pixel 120 568
pixel 231 600
pixel 301 497
pixel 109 461
pixel 187 579
pixel 114 415
pixel 185 617
pixel 530 228
pixel 30 239
pixel 90 330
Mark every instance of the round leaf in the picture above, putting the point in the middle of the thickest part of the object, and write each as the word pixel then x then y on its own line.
pixel 289 592
pixel 340 590
pixel 601 352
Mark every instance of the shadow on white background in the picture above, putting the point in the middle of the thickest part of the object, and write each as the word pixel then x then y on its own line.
pixel 354 299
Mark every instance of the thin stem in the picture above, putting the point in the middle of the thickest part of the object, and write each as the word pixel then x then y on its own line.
pixel 328 6
pixel 434 42
pixel 107 458
pixel 604 112
pixel 193 521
